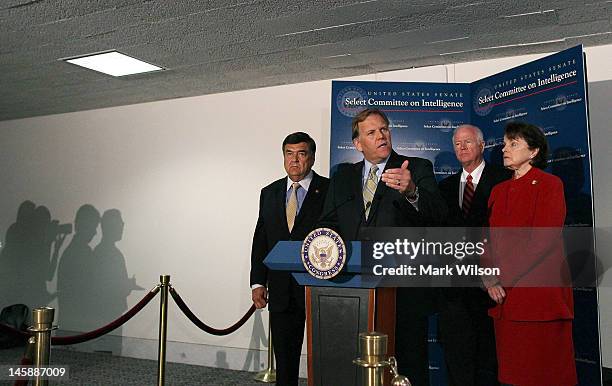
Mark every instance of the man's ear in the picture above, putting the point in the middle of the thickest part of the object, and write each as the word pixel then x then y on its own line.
pixel 357 144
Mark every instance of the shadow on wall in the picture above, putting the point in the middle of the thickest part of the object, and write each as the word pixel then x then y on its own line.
pixel 259 339
pixel 221 361
pixel 92 283
pixel 29 257
pixel 569 167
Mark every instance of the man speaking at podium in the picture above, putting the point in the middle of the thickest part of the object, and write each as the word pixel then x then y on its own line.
pixel 288 210
pixel 389 190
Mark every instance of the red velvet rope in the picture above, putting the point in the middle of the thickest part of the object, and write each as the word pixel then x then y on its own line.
pixel 201 325
pixel 74 339
pixel 13 330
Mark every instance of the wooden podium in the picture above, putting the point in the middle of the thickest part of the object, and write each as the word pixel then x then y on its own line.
pixel 337 310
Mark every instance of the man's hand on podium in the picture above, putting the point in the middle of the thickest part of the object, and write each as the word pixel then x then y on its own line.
pixel 259 296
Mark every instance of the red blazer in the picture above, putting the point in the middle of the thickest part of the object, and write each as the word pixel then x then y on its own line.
pixel 530 257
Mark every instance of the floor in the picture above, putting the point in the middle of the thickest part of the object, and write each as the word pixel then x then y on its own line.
pixel 105 369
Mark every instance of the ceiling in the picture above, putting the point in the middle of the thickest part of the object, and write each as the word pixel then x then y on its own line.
pixel 223 45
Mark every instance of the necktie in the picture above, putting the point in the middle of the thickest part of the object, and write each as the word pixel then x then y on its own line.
pixel 292 205
pixel 468 195
pixel 369 188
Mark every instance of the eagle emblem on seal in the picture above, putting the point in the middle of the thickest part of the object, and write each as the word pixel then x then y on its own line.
pixel 323 253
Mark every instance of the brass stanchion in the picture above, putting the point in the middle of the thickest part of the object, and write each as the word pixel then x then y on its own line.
pixel 163 328
pixel 42 325
pixel 268 375
pixel 373 351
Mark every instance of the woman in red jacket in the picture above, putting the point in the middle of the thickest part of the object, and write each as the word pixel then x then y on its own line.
pixel 534 311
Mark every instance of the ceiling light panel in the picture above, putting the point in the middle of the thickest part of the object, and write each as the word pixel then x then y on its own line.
pixel 114 63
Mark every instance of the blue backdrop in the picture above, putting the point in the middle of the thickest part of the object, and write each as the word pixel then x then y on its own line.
pixel 549 92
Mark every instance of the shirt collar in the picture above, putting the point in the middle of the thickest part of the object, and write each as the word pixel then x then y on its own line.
pixel 304 182
pixel 381 166
pixel 476 173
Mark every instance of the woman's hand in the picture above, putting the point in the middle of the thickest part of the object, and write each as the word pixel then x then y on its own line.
pixel 497 293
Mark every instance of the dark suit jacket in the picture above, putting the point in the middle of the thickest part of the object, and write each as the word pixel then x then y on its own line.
pixel 346 214
pixel 389 208
pixel 473 298
pixel 272 227
pixel 478 216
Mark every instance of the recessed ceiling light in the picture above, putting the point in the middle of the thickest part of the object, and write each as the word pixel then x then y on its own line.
pixel 113 63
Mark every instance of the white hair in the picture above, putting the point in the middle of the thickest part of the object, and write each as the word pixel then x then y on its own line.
pixel 475 128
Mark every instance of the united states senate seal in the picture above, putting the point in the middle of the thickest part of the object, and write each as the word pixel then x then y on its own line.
pixel 323 253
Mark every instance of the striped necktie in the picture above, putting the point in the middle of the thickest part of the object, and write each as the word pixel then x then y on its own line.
pixel 369 188
pixel 292 205
pixel 468 196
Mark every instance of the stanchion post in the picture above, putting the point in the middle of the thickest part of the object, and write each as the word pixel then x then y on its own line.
pixel 42 325
pixel 373 350
pixel 163 328
pixel 268 375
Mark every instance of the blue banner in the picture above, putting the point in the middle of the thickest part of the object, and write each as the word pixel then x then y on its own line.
pixel 422 118
pixel 549 92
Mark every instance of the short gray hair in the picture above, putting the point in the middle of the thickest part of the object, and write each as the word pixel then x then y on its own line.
pixel 479 134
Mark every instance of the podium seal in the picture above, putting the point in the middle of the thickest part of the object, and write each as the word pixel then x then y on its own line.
pixel 323 253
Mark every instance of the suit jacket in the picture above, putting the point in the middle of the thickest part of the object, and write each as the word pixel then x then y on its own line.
pixel 478 215
pixel 473 298
pixel 272 227
pixel 534 203
pixel 345 212
pixel 344 202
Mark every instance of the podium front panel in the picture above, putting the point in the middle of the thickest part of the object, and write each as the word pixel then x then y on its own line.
pixel 337 316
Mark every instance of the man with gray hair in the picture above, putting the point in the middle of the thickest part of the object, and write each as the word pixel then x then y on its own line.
pixel 466 331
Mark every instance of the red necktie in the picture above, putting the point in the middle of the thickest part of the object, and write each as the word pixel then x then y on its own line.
pixel 468 195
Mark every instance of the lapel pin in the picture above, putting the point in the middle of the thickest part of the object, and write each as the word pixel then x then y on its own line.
pixel 533 182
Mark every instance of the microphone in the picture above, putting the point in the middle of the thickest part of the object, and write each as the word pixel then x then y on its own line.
pixel 333 210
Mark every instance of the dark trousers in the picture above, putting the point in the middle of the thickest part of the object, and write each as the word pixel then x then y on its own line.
pixel 287 337
pixel 411 346
pixel 467 336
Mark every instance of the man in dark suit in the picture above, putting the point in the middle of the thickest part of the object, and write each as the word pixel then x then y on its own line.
pixel 389 190
pixel 466 331
pixel 288 210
